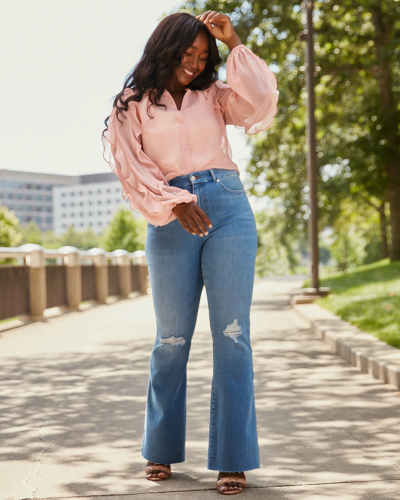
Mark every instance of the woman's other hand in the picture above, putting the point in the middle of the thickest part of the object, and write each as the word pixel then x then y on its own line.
pixel 192 218
pixel 222 29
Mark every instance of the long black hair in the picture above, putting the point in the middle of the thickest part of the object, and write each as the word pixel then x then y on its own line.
pixel 161 56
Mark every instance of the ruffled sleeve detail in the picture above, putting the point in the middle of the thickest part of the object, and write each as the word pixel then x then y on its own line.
pixel 250 96
pixel 142 181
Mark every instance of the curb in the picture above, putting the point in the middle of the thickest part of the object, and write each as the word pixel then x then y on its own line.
pixel 362 350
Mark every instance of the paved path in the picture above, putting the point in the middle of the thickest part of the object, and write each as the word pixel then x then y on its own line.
pixel 72 399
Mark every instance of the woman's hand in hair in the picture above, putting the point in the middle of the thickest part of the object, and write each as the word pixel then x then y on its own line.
pixel 192 218
pixel 220 26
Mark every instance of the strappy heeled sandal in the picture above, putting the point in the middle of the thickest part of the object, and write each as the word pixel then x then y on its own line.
pixel 231 479
pixel 153 468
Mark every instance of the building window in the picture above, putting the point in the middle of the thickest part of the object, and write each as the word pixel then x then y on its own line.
pixel 29 186
pixel 38 219
pixel 38 186
pixel 49 220
pixel 64 226
pixel 63 204
pixel 100 223
pixel 99 202
pixel 63 216
pixel 20 196
pixel 90 203
pixel 99 191
pixel 81 204
pixel 48 187
pixel 48 198
pixel 90 214
pixel 63 194
pixel 10 184
pixel 10 196
pixel 20 185
pixel 72 204
pixel 29 208
pixel 109 212
pixel 48 209
pixel 89 192
pixel 82 224
pixel 99 212
pixel 39 209
pixel 39 197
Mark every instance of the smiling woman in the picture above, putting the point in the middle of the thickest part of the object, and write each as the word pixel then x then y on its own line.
pixel 166 140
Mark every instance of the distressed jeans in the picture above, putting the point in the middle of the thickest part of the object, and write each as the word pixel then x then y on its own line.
pixel 180 264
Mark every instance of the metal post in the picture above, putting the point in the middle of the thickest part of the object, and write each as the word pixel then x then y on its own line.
pixel 312 174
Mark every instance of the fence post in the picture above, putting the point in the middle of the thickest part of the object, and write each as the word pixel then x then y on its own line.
pixel 99 259
pixel 36 262
pixel 143 270
pixel 73 276
pixel 124 272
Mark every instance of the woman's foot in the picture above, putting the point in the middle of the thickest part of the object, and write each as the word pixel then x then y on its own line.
pixel 157 472
pixel 230 483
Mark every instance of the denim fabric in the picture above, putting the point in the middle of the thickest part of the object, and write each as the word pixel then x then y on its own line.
pixel 180 264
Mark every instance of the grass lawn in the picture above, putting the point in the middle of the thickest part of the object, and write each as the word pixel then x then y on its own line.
pixel 368 297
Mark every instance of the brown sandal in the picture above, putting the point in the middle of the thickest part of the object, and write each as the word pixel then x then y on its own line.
pixel 231 479
pixel 154 468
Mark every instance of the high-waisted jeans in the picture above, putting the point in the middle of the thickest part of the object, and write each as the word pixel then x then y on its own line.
pixel 180 264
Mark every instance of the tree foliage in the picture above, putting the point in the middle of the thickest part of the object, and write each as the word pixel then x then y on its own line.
pixel 9 235
pixel 124 232
pixel 357 84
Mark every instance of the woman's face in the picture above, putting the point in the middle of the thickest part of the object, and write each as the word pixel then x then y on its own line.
pixel 193 60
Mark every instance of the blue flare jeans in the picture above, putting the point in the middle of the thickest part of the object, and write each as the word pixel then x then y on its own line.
pixel 180 264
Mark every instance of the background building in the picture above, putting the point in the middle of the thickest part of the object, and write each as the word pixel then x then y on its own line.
pixel 91 202
pixel 58 201
pixel 30 195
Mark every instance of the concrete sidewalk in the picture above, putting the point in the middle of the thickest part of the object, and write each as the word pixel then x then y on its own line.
pixel 72 399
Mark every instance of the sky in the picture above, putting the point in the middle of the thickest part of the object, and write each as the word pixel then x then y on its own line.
pixel 62 61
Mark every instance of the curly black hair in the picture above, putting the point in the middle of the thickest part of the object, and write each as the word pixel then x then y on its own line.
pixel 161 56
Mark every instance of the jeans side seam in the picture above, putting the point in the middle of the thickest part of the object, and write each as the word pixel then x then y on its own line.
pixel 212 412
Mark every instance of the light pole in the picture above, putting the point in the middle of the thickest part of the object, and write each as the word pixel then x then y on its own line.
pixel 307 36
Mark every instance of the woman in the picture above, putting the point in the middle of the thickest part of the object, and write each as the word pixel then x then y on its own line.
pixel 166 140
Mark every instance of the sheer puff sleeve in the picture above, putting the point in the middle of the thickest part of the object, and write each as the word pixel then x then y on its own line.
pixel 142 181
pixel 250 96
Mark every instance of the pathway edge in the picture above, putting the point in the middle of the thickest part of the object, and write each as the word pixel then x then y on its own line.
pixel 362 350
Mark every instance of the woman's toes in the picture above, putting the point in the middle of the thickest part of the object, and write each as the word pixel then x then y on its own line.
pixel 161 475
pixel 223 488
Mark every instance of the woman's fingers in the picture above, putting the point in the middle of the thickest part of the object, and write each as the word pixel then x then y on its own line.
pixel 200 223
pixel 186 226
pixel 204 216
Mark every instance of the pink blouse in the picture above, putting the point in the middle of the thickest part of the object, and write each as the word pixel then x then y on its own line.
pixel 145 153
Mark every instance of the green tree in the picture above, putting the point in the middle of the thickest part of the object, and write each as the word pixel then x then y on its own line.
pixel 31 233
pixel 357 79
pixel 124 232
pixel 9 234
pixel 80 239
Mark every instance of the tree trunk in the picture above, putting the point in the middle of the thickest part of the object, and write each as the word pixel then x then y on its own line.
pixel 383 38
pixel 383 225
